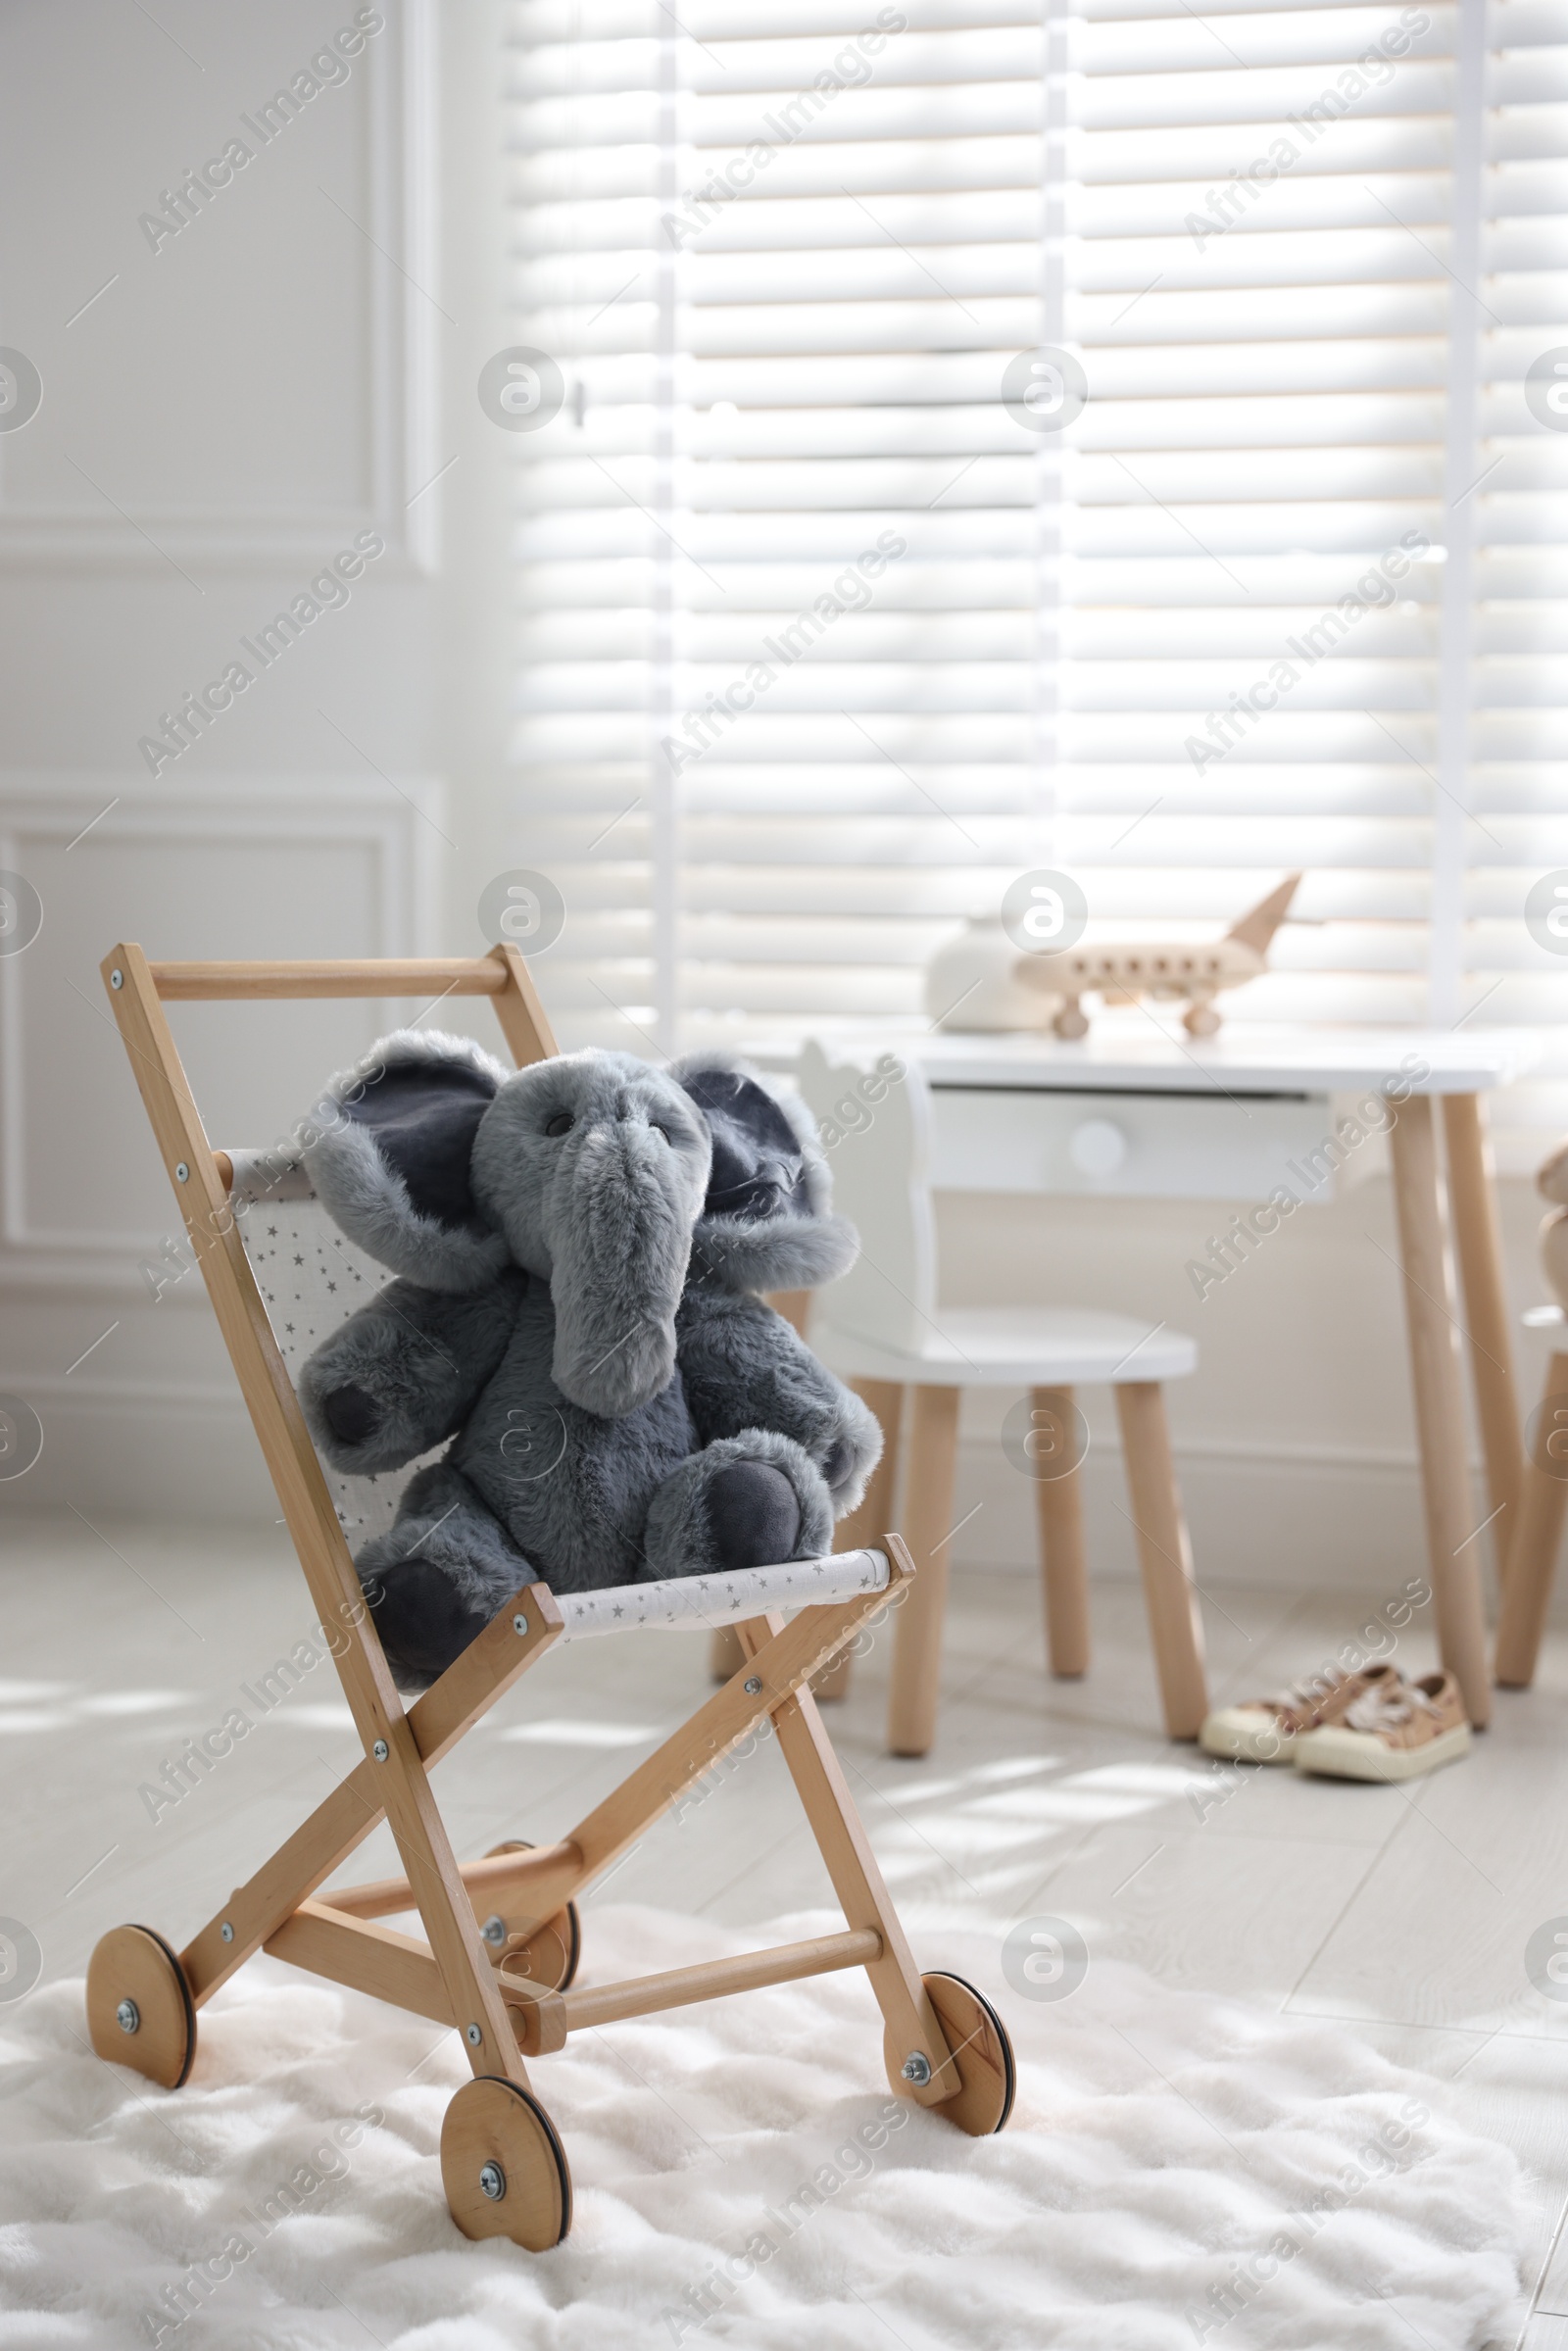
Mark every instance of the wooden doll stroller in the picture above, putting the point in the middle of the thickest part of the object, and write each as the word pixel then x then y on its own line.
pixel 503 1933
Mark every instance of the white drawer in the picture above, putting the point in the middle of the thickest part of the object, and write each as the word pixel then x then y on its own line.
pixel 1139 1145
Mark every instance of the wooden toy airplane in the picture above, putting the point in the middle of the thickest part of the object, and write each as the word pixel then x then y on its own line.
pixel 983 981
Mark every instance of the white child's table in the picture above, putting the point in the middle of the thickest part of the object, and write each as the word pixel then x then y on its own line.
pixel 1136 1110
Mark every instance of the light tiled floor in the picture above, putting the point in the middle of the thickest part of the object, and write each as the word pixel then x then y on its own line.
pixel 1404 1913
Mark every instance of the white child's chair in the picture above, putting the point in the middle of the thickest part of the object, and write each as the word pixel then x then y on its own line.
pixel 881 1329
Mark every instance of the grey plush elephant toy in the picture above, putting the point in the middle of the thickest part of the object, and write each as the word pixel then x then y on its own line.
pixel 578 1248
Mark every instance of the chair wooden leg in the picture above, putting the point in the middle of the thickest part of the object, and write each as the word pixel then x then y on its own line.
pixel 928 1523
pixel 1165 1556
pixel 884 1400
pixel 1533 1555
pixel 1060 1504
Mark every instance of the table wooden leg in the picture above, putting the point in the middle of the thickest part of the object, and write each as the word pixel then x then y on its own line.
pixel 1532 1554
pixel 1472 1195
pixel 928 1525
pixel 1059 1509
pixel 1429 1303
pixel 1165 1554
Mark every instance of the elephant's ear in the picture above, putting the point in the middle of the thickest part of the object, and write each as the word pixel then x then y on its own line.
pixel 767 1222
pixel 388 1150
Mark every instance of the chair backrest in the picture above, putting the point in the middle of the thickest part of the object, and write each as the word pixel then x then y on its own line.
pixel 311 1280
pixel 874 1113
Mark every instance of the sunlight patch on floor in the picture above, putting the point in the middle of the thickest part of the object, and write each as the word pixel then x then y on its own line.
pixel 581 1732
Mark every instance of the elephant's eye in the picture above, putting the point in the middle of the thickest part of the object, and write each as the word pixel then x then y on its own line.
pixel 561 1123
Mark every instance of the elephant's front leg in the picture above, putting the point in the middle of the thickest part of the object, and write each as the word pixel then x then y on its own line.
pixel 437 1575
pixel 747 1500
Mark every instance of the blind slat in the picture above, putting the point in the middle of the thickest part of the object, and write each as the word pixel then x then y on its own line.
pixel 817 763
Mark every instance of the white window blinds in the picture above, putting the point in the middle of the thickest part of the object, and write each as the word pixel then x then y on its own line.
pixel 1519 775
pixel 823 640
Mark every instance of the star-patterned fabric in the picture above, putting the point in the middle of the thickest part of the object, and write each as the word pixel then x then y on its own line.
pixel 311 1280
pixel 723 1599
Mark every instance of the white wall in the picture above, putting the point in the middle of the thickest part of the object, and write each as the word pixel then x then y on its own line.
pixel 294 368
pixel 236 404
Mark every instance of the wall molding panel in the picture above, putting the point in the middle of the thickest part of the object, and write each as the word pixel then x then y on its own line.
pixel 139 1407
pixel 79 840
pixel 355 180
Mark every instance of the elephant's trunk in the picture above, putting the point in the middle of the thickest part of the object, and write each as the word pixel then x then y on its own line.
pixel 624 1200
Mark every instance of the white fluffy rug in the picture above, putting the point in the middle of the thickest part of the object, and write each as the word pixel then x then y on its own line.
pixel 1178 2169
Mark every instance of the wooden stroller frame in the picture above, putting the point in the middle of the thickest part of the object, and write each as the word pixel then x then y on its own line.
pixel 503 1981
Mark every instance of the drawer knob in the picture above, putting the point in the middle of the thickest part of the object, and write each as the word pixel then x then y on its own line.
pixel 1097 1148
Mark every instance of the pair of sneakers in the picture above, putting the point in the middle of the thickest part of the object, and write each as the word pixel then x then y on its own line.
pixel 1372 1724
